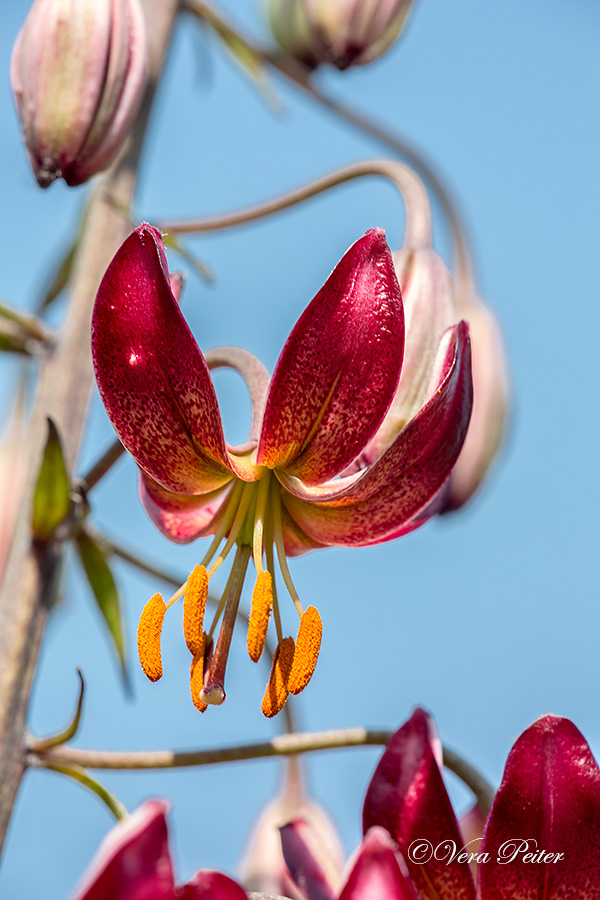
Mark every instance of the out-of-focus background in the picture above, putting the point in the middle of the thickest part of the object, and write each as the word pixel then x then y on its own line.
pixel 488 618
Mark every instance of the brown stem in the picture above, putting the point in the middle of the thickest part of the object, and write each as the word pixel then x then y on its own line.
pixel 102 465
pixel 303 78
pixel 32 572
pixel 284 745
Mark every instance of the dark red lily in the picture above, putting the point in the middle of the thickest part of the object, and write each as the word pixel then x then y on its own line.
pixel 286 487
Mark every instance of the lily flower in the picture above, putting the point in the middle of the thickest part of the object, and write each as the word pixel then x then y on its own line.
pixel 134 861
pixel 541 838
pixel 285 488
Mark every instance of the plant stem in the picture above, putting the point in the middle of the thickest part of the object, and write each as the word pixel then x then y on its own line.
pixel 411 188
pixel 102 465
pixel 302 77
pixel 284 745
pixel 32 573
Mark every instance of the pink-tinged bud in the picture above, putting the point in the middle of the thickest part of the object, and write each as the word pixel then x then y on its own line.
pixel 342 32
pixel 490 402
pixel 78 73
pixel 263 867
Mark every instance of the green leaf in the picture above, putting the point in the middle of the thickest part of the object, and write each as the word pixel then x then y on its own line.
pixel 13 343
pixel 105 590
pixel 61 276
pixel 51 500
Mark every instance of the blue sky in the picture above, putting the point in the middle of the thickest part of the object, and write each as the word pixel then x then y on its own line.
pixel 488 618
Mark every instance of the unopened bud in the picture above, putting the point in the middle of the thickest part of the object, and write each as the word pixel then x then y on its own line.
pixel 344 33
pixel 78 73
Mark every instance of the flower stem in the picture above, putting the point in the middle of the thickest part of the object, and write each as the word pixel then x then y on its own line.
pixel 284 745
pixel 302 78
pixel 418 230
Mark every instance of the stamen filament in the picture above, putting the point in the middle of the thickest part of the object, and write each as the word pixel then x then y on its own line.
pixel 271 568
pixel 213 692
pixel 308 644
pixel 259 523
pixel 221 603
pixel 232 505
pixel 283 566
pixel 277 690
pixel 248 491
pixel 148 637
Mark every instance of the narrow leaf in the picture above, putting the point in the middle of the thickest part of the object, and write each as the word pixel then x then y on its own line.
pixel 60 277
pixel 105 591
pixel 51 500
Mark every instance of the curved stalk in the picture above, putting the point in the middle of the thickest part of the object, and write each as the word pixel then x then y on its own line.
pixel 301 77
pixel 284 745
pixel 418 222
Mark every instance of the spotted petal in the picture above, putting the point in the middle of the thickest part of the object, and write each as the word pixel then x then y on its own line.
pixel 549 796
pixel 401 484
pixel 151 374
pixel 338 371
pixel 183 517
pixel 408 798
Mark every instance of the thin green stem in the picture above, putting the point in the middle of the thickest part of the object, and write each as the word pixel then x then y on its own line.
pixel 42 744
pixel 77 773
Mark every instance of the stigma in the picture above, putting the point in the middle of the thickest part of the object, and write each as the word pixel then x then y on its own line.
pixel 252 524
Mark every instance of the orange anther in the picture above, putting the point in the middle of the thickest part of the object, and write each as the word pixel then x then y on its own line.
pixel 308 644
pixel 194 604
pixel 262 604
pixel 148 637
pixel 277 690
pixel 197 679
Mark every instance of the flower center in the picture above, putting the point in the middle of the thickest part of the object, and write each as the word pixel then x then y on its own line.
pixel 251 521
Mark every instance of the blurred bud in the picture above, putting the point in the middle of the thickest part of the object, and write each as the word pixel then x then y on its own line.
pixel 263 867
pixel 490 402
pixel 78 72
pixel 343 32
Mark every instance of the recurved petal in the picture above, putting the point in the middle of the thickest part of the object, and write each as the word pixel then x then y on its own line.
pixel 550 797
pixel 133 860
pixel 408 798
pixel 152 377
pixel 427 293
pixel 402 485
pixel 376 872
pixel 338 371
pixel 183 517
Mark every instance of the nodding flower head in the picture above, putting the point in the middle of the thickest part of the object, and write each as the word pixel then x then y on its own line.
pixel 78 73
pixel 286 490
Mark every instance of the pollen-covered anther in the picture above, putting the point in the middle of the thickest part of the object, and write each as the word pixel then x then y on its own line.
pixel 148 637
pixel 194 604
pixel 277 690
pixel 197 679
pixel 308 644
pixel 262 604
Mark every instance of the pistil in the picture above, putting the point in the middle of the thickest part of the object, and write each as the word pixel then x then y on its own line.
pixel 213 692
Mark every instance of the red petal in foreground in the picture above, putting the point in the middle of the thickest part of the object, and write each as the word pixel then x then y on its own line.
pixel 338 371
pixel 133 860
pixel 183 517
pixel 408 798
pixel 400 485
pixel 376 874
pixel 152 377
pixel 210 886
pixel 304 857
pixel 550 799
